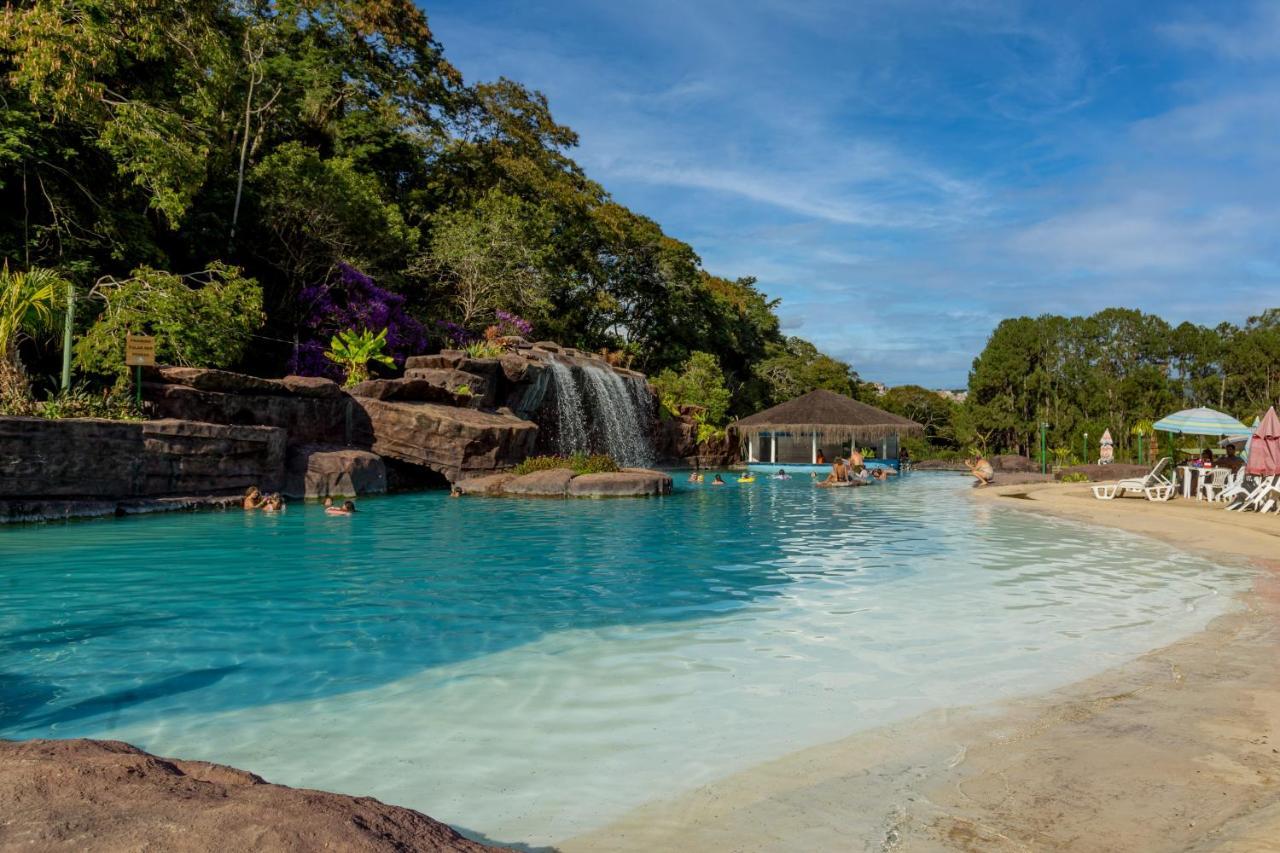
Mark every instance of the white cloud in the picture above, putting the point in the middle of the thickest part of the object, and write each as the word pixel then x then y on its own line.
pixel 1253 37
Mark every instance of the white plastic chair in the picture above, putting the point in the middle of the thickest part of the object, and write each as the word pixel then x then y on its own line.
pixel 1214 490
pixel 1154 486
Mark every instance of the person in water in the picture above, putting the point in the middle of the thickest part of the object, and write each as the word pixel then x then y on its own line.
pixel 347 508
pixel 821 460
pixel 253 498
pixel 782 475
pixel 717 481
pixel 273 503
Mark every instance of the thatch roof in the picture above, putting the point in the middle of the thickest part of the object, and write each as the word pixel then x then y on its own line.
pixel 830 414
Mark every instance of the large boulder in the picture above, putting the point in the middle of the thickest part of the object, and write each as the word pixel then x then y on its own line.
pixel 552 483
pixel 319 471
pixel 312 386
pixel 481 386
pixel 208 379
pixel 629 483
pixel 410 390
pixel 456 443
pixel 490 484
pixel 101 459
pixel 110 797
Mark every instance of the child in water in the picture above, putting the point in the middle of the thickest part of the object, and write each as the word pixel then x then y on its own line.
pixel 717 481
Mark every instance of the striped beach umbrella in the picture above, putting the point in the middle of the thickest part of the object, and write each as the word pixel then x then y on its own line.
pixel 1200 422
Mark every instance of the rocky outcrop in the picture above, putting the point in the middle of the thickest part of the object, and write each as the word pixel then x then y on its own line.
pixel 411 420
pixel 107 796
pixel 118 460
pixel 322 471
pixel 562 483
pixel 677 442
pixel 456 443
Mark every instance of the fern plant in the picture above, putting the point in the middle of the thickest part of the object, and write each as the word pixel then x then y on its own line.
pixel 354 350
pixel 28 307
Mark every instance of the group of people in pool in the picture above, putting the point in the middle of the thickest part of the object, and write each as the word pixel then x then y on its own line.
pixel 274 502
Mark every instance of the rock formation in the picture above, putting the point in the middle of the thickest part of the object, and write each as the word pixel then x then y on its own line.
pixel 107 796
pixel 563 483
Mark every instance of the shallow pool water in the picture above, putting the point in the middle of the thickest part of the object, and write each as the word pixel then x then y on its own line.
pixel 527 670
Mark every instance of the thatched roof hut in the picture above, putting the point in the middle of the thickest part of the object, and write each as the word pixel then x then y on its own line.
pixel 820 419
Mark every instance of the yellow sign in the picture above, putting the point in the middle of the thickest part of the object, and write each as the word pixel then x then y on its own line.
pixel 139 350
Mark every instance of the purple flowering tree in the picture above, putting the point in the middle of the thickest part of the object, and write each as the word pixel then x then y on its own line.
pixel 352 301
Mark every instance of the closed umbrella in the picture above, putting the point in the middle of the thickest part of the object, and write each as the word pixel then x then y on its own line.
pixel 1264 450
pixel 1200 422
pixel 1106 448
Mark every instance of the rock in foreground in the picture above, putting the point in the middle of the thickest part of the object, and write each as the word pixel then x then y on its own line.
pixel 88 795
pixel 562 482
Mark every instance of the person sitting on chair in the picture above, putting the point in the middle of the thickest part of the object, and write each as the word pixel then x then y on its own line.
pixel 1230 461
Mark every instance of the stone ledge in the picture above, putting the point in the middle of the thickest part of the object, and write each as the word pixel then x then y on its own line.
pixel 562 483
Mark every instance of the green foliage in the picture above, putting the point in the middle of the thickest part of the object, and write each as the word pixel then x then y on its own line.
pixel 579 463
pixel 708 433
pixel 699 383
pixel 205 319
pixel 81 403
pixel 1075 477
pixel 464 390
pixel 354 349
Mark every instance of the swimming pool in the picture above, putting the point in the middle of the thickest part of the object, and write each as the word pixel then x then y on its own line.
pixel 528 670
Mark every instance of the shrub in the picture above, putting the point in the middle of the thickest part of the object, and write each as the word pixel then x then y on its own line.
pixel 579 463
pixel 464 390
pixel 1075 477
pixel 203 320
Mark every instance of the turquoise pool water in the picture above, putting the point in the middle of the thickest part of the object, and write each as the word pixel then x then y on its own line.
pixel 528 670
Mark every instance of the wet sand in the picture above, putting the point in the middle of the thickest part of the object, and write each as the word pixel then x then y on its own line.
pixel 1178 750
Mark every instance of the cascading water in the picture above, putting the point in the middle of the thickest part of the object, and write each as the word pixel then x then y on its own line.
pixel 596 410
pixel 571 421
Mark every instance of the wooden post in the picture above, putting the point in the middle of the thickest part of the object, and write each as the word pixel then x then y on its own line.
pixel 773 447
pixel 813 456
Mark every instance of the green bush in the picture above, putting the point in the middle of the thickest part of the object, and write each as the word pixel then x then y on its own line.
pixel 205 320
pixel 485 349
pixel 579 463
pixel 700 382
pixel 1075 477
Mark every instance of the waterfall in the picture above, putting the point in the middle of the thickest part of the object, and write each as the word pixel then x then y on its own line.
pixel 596 410
pixel 571 420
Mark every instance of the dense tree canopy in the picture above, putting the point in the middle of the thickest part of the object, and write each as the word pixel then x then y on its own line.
pixel 295 139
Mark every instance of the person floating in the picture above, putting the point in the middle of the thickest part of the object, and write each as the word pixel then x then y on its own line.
pixel 747 478
pixel 273 503
pixel 347 508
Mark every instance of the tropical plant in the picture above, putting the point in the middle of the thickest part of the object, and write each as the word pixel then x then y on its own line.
pixel 1075 477
pixel 28 307
pixel 700 383
pixel 353 350
pixel 464 390
pixel 82 403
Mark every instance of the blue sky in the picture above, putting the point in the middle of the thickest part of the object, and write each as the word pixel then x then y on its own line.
pixel 905 174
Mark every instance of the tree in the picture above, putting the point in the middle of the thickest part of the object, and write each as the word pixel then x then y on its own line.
pixel 796 368
pixel 927 408
pixel 492 256
pixel 699 383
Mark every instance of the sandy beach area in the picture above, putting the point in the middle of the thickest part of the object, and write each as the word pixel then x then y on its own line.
pixel 1178 750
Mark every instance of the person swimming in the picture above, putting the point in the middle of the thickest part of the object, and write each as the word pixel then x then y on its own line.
pixel 347 508
pixel 253 498
pixel 782 475
pixel 273 503
pixel 717 481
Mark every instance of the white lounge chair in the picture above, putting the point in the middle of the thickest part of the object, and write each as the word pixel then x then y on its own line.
pixel 1154 486
pixel 1258 497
